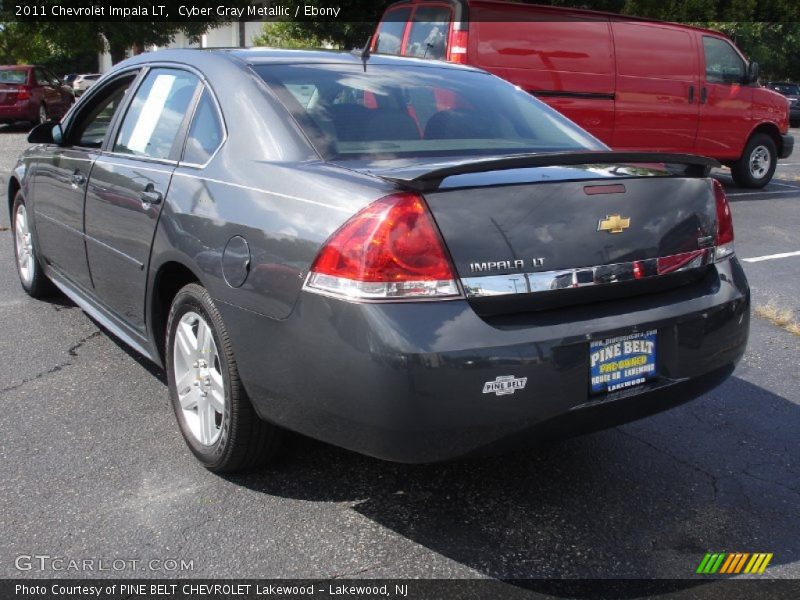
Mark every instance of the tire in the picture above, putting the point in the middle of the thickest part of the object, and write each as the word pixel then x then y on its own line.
pixel 221 427
pixel 41 116
pixel 29 269
pixel 758 162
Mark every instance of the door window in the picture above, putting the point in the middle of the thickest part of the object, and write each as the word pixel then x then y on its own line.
pixel 428 35
pixel 723 63
pixel 390 34
pixel 153 121
pixel 92 123
pixel 205 134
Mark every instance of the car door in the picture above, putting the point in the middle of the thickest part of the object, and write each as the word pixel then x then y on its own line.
pixel 128 185
pixel 60 178
pixel 64 97
pixel 725 100
pixel 51 96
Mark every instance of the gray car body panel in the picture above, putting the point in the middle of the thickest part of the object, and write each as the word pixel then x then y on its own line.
pixel 401 381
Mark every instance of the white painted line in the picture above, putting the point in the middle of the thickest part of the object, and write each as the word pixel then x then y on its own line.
pixel 756 259
pixel 763 193
pixel 780 164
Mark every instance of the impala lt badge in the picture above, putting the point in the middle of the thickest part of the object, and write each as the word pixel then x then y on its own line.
pixel 614 224
pixel 494 265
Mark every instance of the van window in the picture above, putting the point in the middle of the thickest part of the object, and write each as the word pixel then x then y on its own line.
pixel 390 34
pixel 429 31
pixel 723 63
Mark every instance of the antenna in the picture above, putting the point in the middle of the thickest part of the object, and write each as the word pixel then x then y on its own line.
pixel 365 52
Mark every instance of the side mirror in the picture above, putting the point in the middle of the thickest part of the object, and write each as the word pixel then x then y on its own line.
pixel 753 72
pixel 46 133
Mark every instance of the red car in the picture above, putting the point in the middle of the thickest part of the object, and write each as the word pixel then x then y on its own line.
pixel 635 84
pixel 30 93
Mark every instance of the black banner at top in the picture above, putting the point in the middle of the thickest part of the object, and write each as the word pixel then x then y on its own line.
pixel 352 11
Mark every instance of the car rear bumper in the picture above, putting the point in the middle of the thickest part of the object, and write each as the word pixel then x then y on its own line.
pixel 405 381
pixel 17 112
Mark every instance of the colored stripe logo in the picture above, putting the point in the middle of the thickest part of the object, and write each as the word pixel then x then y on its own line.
pixel 731 563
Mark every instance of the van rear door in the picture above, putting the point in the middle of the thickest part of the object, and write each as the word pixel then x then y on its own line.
pixel 658 95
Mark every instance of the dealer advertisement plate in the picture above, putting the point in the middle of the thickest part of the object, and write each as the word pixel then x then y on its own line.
pixel 622 362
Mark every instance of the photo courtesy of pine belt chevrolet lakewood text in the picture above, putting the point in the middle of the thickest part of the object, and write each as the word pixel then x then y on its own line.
pixel 411 259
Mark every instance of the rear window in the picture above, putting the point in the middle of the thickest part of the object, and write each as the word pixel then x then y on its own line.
pixel 410 111
pixel 427 37
pixel 390 33
pixel 17 77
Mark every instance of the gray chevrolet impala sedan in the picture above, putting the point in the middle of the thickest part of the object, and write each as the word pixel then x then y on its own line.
pixel 411 259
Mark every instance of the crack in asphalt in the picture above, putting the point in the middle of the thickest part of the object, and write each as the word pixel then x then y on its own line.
pixel 711 477
pixel 71 351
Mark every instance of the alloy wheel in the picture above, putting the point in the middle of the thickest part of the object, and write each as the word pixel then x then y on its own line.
pixel 198 378
pixel 24 245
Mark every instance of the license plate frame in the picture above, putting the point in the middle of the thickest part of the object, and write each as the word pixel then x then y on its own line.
pixel 622 362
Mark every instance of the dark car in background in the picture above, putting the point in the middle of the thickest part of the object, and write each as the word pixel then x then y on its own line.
pixel 31 93
pixel 792 92
pixel 411 259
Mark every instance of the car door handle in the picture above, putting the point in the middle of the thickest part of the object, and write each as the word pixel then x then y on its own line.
pixel 691 94
pixel 703 95
pixel 78 178
pixel 151 196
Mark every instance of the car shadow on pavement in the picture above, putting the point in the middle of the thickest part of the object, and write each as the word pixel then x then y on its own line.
pixel 647 499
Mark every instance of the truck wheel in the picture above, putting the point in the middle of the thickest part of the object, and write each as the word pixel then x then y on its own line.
pixel 757 164
pixel 214 413
pixel 41 115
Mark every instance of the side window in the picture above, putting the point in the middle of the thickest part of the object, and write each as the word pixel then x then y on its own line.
pixel 52 78
pixel 41 77
pixel 723 63
pixel 91 124
pixel 390 34
pixel 428 35
pixel 153 121
pixel 205 134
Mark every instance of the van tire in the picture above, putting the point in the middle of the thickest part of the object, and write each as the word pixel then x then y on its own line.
pixel 758 162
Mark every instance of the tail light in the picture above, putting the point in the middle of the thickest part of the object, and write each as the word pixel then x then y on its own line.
pixel 389 250
pixel 23 92
pixel 457 48
pixel 724 241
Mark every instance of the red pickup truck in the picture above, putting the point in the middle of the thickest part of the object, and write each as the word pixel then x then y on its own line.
pixel 634 84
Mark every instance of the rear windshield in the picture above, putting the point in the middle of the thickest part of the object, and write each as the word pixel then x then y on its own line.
pixel 18 77
pixel 427 37
pixel 410 111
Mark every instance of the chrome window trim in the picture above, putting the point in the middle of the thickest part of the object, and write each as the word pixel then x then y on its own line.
pixel 546 281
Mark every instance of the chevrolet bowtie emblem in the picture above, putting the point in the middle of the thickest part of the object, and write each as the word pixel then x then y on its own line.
pixel 614 224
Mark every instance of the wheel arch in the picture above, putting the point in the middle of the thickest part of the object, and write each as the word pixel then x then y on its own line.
pixel 769 129
pixel 168 279
pixel 14 186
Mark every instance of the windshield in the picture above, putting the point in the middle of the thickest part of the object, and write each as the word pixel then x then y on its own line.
pixel 411 111
pixel 787 88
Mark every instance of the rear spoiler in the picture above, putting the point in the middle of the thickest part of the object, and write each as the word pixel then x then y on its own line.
pixel 695 166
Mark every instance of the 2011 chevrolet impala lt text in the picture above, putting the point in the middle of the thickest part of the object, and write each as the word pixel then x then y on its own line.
pixel 414 260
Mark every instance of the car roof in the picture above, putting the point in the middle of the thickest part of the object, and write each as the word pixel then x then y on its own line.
pixel 261 56
pixel 15 67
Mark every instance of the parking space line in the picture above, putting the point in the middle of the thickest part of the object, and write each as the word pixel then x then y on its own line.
pixel 763 193
pixel 756 259
pixel 788 185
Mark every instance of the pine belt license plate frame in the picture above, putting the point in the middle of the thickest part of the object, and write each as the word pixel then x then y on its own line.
pixel 622 362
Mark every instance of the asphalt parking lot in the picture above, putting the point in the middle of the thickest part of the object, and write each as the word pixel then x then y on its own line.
pixel 93 466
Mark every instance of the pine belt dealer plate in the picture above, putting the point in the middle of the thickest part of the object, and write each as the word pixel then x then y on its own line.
pixel 622 362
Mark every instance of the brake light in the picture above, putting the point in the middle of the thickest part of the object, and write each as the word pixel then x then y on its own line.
pixel 724 241
pixel 23 92
pixel 457 48
pixel 389 250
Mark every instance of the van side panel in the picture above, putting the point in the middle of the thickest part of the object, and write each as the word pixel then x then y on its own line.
pixel 658 95
pixel 567 62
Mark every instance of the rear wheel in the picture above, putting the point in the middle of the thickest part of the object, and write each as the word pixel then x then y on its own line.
pixel 757 164
pixel 41 117
pixel 214 413
pixel 31 274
